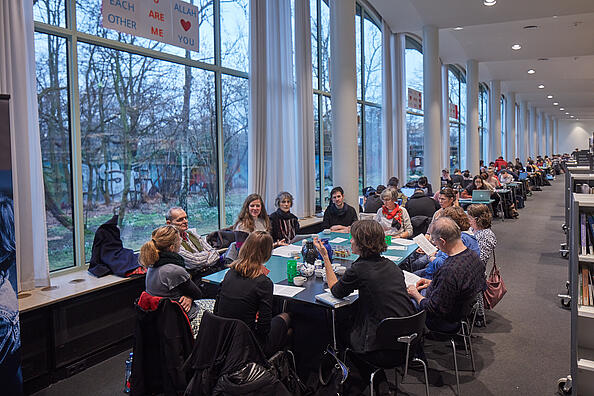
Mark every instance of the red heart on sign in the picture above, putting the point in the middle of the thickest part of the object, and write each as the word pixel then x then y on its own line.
pixel 185 24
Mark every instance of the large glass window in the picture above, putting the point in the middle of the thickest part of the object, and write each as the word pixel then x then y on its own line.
pixel 457 117
pixel 414 109
pixel 483 122
pixel 503 128
pixel 369 84
pixel 131 126
pixel 320 46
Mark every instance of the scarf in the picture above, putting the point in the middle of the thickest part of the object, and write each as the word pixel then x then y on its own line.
pixel 395 215
pixel 169 258
pixel 287 227
pixel 187 238
pixel 337 212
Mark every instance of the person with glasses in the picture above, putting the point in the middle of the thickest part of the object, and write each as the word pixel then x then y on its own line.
pixel 393 218
pixel 447 197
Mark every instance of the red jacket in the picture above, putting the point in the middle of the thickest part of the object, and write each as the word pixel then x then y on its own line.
pixel 500 163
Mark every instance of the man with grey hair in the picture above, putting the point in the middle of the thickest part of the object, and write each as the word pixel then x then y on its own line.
pixel 455 284
pixel 199 257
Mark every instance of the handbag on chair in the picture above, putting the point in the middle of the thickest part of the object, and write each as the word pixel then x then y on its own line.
pixel 495 287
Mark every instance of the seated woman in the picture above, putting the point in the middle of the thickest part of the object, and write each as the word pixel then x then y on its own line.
pixel 423 183
pixel 166 275
pixel 457 214
pixel 252 217
pixel 392 217
pixel 382 294
pixel 480 217
pixel 447 197
pixel 246 294
pixel 477 184
pixel 285 224
pixel 339 215
pixel 492 178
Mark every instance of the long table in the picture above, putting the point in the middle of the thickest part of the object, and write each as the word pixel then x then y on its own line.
pixel 314 285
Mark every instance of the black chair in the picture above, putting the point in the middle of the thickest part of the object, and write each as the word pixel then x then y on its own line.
pixel 400 338
pixel 464 331
pixel 420 224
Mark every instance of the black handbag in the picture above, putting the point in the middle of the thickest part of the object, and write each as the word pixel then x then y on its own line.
pixel 332 374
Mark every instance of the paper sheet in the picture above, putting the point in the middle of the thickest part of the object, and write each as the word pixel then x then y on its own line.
pixel 285 251
pixel 287 291
pixel 424 244
pixel 397 247
pixel 410 278
pixel 338 240
pixel 402 241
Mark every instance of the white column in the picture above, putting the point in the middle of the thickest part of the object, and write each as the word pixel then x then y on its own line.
pixel 539 133
pixel 532 132
pixel 548 134
pixel 445 118
pixel 394 117
pixel 494 120
pixel 510 129
pixel 556 137
pixel 345 163
pixel 400 113
pixel 523 132
pixel 432 99
pixel 472 117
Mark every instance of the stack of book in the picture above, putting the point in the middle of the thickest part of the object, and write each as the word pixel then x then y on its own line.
pixel 586 287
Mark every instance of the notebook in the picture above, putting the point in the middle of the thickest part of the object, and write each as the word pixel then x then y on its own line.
pixel 481 196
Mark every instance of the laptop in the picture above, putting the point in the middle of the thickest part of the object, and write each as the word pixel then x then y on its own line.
pixel 407 191
pixel 523 176
pixel 481 196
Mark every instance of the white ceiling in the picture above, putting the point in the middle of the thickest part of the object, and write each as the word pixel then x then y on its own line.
pixel 565 36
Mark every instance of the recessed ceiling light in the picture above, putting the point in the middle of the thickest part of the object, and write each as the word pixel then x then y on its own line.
pixel 516 47
pixel 555 103
pixel 458 28
pixel 489 3
pixel 549 96
pixel 531 71
pixel 572 116
pixel 541 86
pixel 555 16
pixel 567 113
pixel 561 108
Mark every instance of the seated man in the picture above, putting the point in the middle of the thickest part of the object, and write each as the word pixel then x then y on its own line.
pixel 339 215
pixel 199 257
pixel 421 205
pixel 455 284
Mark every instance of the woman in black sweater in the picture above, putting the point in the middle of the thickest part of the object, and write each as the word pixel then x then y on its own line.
pixel 382 294
pixel 246 294
pixel 285 224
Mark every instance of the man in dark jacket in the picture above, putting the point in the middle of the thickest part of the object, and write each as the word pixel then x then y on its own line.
pixel 421 205
pixel 372 200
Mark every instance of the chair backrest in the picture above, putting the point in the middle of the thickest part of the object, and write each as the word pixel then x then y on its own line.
pixel 391 328
pixel 366 216
pixel 420 224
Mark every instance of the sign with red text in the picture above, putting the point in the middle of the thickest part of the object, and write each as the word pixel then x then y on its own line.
pixel 453 110
pixel 169 21
pixel 415 99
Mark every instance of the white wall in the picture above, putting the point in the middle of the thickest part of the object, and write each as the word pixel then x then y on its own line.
pixel 574 134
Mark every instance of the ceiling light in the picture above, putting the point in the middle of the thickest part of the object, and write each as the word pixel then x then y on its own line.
pixel 531 71
pixel 572 116
pixel 541 86
pixel 561 108
pixel 542 59
pixel 516 47
pixel 555 103
pixel 458 28
pixel 550 97
pixel 489 3
pixel 528 27
pixel 567 113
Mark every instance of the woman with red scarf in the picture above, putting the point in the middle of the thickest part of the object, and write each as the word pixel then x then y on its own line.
pixel 393 218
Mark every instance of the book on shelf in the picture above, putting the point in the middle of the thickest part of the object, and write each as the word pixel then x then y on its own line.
pixel 586 286
pixel 586 234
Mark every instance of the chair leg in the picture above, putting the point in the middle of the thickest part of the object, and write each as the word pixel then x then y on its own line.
pixel 371 390
pixel 456 366
pixel 471 354
pixel 426 375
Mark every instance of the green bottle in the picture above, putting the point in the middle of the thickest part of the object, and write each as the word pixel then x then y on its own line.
pixel 291 270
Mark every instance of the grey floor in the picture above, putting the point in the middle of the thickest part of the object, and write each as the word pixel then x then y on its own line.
pixel 524 349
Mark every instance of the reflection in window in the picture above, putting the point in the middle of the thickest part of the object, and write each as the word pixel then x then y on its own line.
pixel 52 99
pixel 235 34
pixel 503 128
pixel 483 122
pixel 457 118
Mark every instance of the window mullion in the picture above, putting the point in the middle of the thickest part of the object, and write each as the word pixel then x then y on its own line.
pixel 219 114
pixel 75 140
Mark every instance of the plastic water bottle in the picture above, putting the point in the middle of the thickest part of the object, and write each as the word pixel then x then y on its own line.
pixel 291 270
pixel 128 372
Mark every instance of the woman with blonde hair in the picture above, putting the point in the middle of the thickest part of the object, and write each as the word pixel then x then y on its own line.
pixel 166 275
pixel 246 294
pixel 253 216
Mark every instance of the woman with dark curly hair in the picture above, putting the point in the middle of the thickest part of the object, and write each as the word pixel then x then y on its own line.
pixel 382 290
